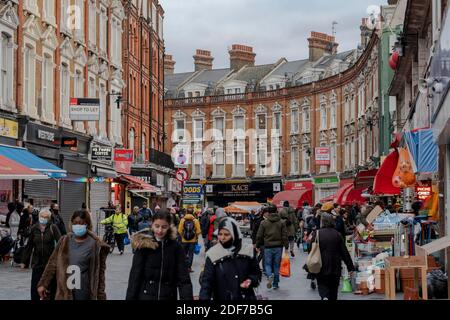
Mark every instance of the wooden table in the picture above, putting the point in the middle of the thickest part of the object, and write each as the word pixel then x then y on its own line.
pixel 418 263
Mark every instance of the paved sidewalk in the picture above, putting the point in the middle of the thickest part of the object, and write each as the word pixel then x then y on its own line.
pixel 15 283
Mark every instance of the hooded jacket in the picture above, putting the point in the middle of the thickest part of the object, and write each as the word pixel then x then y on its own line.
pixel 59 261
pixel 158 269
pixel 226 269
pixel 197 229
pixel 40 245
pixel 290 218
pixel 272 233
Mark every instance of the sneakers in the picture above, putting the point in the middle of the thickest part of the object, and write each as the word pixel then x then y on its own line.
pixel 313 285
pixel 292 254
pixel 276 287
pixel 121 252
pixel 270 282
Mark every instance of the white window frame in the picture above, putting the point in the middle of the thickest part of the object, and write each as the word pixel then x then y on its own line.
pixel 175 128
pixel 306 117
pixel 306 162
pixel 132 140
pixel 276 162
pixel 103 28
pixel 65 93
pixel 347 108
pixel 7 71
pixel 201 165
pixel 347 154
pixel 219 153
pixel 78 93
pixel 277 132
pixel 195 122
pixel 219 135
pixel 295 165
pixel 92 22
pixel 48 80
pixel 333 156
pixel 295 121
pixel 49 12
pixel 323 117
pixel 103 93
pixel 333 114
pixel 29 80
pixel 239 145
pixel 93 93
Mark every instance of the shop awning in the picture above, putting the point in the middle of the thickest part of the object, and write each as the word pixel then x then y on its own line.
pixel 327 199
pixel 295 198
pixel 353 195
pixel 247 205
pixel 423 150
pixel 339 196
pixel 11 170
pixel 364 179
pixel 382 184
pixel 136 185
pixel 231 209
pixel 29 160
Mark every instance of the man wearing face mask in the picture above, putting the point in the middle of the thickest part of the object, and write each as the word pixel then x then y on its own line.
pixel 43 239
pixel 56 218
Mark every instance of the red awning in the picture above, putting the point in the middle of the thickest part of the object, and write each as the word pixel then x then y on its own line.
pixel 327 199
pixel 338 197
pixel 383 180
pixel 136 184
pixel 295 198
pixel 352 196
pixel 11 170
pixel 364 179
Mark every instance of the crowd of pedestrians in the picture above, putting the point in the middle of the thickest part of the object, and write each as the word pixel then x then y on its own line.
pixel 164 242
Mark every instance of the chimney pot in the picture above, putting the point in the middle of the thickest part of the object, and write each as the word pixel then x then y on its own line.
pixel 240 56
pixel 203 60
pixel 321 44
pixel 169 64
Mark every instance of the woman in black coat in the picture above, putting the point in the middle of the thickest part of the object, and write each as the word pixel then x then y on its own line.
pixel 159 266
pixel 231 270
pixel 333 251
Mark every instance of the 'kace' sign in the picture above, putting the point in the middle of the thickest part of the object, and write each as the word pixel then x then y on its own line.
pixel 84 109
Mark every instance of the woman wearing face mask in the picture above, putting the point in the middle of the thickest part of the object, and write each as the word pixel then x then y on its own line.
pixel 78 263
pixel 41 244
pixel 231 270
pixel 159 266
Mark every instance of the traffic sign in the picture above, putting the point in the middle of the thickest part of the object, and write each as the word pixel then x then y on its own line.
pixel 182 175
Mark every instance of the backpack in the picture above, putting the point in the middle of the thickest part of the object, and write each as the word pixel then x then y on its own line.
pixel 189 230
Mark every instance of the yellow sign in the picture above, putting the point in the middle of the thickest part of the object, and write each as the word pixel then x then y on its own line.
pixel 9 128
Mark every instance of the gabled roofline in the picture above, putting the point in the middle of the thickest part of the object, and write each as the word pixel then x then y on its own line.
pixel 278 64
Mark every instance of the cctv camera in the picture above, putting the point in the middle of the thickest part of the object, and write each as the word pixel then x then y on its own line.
pixel 438 87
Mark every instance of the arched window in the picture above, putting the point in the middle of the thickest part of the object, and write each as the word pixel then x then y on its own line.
pixel 131 139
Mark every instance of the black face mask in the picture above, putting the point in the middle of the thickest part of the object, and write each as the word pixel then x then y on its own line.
pixel 55 211
pixel 228 244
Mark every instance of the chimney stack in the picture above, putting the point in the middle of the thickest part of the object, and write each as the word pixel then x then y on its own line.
pixel 241 56
pixel 203 60
pixel 321 44
pixel 169 64
pixel 365 32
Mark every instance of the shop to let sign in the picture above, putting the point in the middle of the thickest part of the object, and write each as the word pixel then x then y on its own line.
pixel 323 156
pixel 9 128
pixel 84 109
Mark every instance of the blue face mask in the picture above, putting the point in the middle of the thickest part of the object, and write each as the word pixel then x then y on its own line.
pixel 43 221
pixel 79 230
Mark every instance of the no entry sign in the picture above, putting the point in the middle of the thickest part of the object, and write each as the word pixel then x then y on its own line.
pixel 182 175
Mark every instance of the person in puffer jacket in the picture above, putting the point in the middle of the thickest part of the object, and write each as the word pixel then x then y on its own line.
pixel 159 270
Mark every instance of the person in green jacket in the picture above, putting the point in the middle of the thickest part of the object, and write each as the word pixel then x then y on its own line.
pixel 119 222
pixel 292 225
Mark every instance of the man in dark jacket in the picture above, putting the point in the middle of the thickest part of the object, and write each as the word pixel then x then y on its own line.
pixel 333 251
pixel 272 234
pixel 290 219
pixel 145 212
pixel 57 220
pixel 133 221
pixel 260 216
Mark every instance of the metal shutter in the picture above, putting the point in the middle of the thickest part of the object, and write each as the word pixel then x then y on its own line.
pixel 99 196
pixel 41 189
pixel 73 195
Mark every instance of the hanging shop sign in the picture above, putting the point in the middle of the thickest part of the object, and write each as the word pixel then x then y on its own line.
pixel 46 135
pixel 298 185
pixel 84 109
pixel 69 142
pixel 323 156
pixel 423 191
pixel 9 128
pixel 101 153
pixel 123 159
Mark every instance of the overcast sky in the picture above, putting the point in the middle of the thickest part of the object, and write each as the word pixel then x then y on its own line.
pixel 275 28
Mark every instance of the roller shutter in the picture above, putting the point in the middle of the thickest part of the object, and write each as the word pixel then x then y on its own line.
pixel 73 195
pixel 99 196
pixel 41 189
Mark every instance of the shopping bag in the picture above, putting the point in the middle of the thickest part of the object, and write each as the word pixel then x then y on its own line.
pixel 346 286
pixel 305 247
pixel 197 249
pixel 285 267
pixel 314 261
pixel 126 240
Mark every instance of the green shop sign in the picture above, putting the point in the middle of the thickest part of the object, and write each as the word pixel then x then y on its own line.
pixel 326 180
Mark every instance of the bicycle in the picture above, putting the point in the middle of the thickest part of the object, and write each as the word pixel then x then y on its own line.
pixel 108 237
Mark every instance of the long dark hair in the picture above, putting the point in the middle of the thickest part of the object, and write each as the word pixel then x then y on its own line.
pixel 162 214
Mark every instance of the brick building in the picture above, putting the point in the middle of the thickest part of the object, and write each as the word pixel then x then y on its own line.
pixel 328 100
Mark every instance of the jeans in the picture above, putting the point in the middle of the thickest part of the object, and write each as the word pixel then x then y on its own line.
pixel 291 243
pixel 189 251
pixel 272 260
pixel 119 241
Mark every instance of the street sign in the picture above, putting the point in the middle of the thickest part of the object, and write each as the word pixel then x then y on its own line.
pixel 84 109
pixel 180 156
pixel 323 156
pixel 182 175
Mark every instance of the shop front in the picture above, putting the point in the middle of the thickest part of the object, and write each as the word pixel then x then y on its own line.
pixel 9 188
pixel 325 186
pixel 74 159
pixel 296 193
pixel 101 176
pixel 221 193
pixel 44 142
